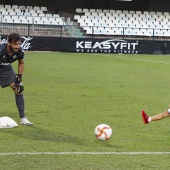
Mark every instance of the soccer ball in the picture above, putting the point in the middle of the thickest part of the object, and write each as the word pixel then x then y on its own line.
pixel 103 132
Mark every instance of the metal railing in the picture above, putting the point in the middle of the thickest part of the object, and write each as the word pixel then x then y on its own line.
pixel 78 32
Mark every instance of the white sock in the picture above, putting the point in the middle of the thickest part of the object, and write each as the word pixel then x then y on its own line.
pixel 149 120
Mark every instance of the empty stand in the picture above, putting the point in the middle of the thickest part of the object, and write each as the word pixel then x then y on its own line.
pixel 28 15
pixel 118 22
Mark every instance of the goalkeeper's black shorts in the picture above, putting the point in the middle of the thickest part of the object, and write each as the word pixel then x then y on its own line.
pixel 7 76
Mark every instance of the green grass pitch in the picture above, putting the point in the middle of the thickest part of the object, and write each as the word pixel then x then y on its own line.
pixel 68 94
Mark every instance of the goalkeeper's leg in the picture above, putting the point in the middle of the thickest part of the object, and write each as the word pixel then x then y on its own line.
pixel 20 105
pixel 19 101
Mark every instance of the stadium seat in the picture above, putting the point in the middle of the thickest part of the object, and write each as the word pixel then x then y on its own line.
pixel 15 7
pixel 132 12
pixel 79 10
pixel 92 17
pixel 121 15
pixel 27 14
pixel 84 17
pixel 85 10
pixel 81 22
pixel 89 30
pixel 109 31
pixel 95 14
pixel 34 14
pixel 22 7
pixel 8 6
pixel 41 15
pixel 99 10
pixel 146 12
pixel 101 14
pixel 25 22
pixel 56 15
pixel 22 18
pixel 17 10
pixel 47 22
pixel 17 21
pixel 59 20
pixel 12 13
pixel 89 22
pixel 36 8
pixel 44 9
pixel 76 17
pixel 29 7
pixel 2 10
pixel 39 11
pixel 51 19
pixel 152 13
pixel 4 13
pixel 165 25
pixel 20 13
pixel 112 11
pixel 104 18
pixel 166 13
pixel 29 19
pixel 49 15
pixel 92 10
pixel 14 17
pixel 108 14
pixel 44 19
pixel 139 12
pixel 118 11
pixel 10 10
pixel 7 19
pixel 87 14
pixel 106 11
pixel 40 22
pixel 159 13
pixel 125 12
pixel 129 15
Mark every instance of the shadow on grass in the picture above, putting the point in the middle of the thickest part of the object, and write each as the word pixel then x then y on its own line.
pixel 39 134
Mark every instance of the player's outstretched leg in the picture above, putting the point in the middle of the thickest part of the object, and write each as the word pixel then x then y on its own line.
pixel 147 119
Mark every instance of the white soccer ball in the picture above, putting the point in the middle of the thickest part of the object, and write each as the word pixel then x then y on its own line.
pixel 103 132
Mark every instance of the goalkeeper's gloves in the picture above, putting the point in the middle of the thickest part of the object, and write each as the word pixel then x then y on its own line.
pixel 18 83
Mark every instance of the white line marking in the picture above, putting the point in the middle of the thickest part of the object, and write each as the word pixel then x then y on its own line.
pixel 159 62
pixel 84 153
pixel 142 60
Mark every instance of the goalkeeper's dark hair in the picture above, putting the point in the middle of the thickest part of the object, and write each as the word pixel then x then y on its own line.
pixel 14 37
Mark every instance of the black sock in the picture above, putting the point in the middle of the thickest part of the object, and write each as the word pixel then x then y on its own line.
pixel 20 104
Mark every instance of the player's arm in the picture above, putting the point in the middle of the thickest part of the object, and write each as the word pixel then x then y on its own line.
pixel 18 82
pixel 20 66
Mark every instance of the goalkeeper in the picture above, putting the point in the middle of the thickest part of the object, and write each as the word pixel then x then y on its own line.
pixel 9 53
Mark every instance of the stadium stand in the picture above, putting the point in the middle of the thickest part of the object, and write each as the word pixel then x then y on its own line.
pixel 31 20
pixel 28 15
pixel 114 22
pixel 87 22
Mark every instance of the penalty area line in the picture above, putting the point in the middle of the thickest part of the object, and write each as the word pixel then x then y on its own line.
pixel 83 153
pixel 136 59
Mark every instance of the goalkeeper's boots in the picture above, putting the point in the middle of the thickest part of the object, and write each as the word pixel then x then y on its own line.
pixel 24 121
pixel 145 117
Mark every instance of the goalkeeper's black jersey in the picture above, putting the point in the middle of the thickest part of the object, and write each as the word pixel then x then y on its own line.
pixel 5 59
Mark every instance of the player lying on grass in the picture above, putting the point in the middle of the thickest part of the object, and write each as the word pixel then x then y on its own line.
pixel 147 119
pixel 9 53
